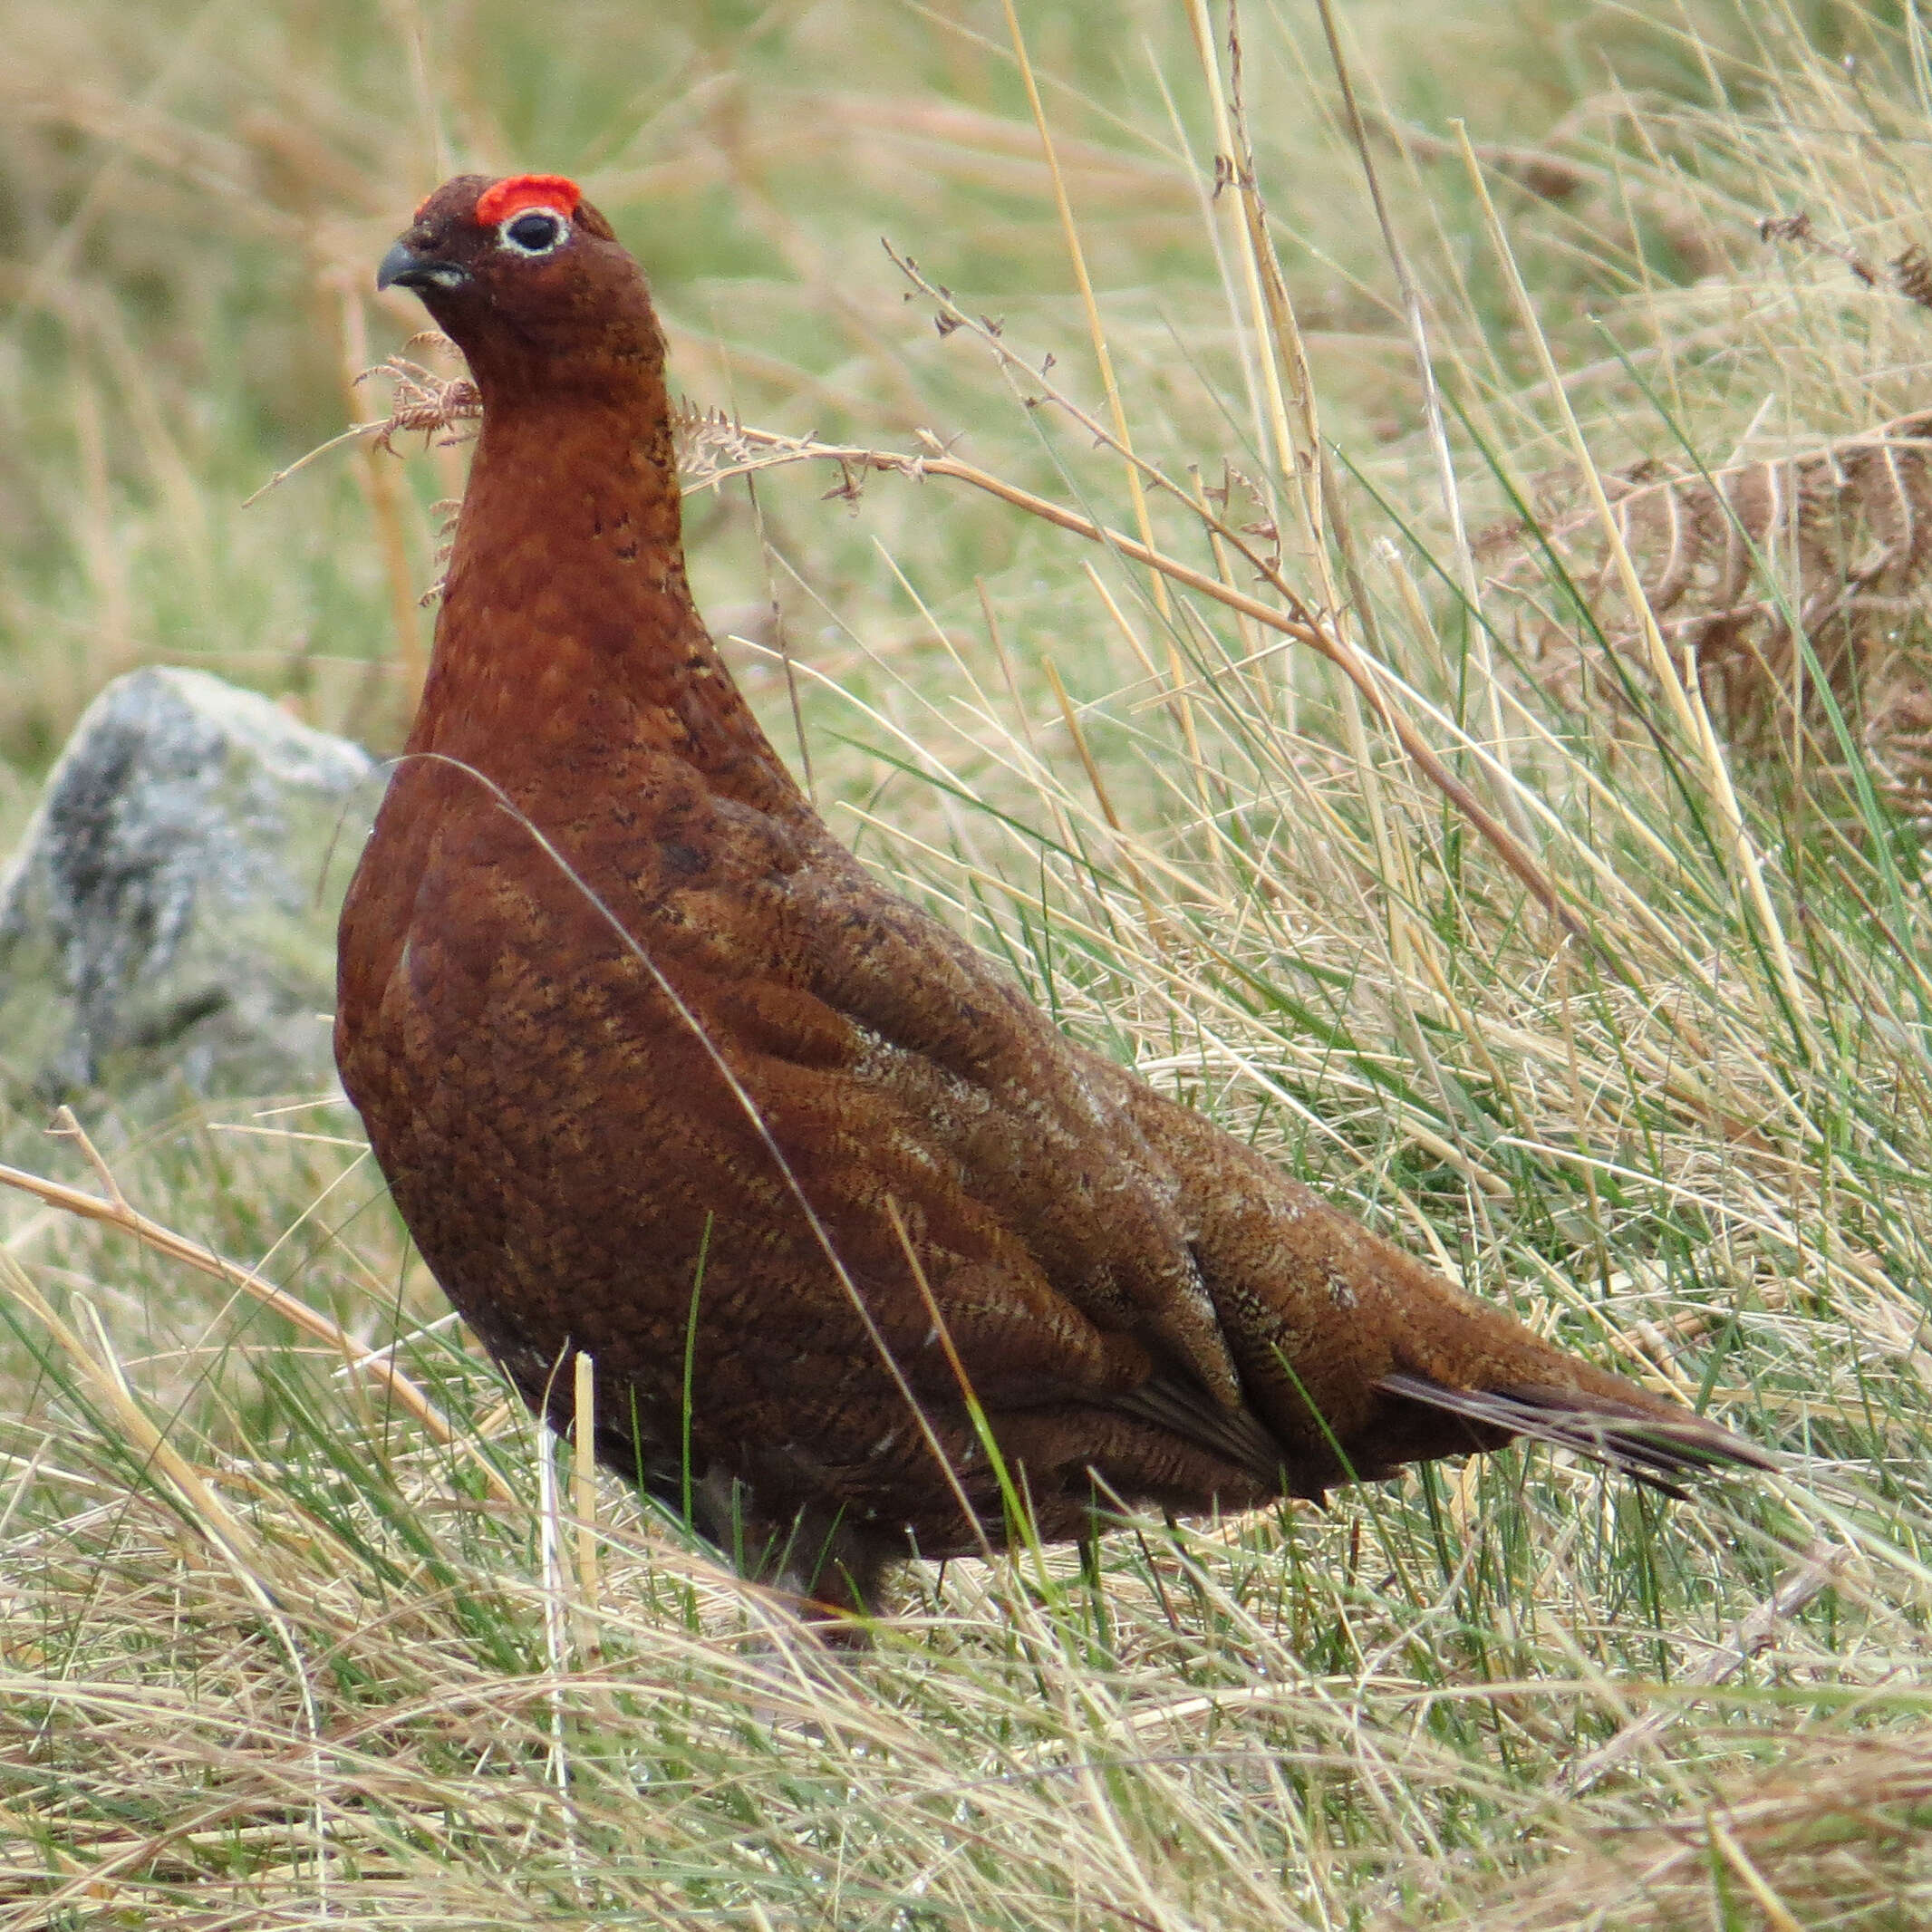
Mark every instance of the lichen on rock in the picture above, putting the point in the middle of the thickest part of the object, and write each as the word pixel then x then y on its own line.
pixel 167 921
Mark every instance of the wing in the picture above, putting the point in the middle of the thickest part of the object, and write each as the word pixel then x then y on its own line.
pixel 1016 1127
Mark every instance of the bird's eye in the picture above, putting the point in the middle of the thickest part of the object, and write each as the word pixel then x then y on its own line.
pixel 536 233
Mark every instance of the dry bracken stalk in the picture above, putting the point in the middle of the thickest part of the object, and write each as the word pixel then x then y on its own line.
pixel 714 446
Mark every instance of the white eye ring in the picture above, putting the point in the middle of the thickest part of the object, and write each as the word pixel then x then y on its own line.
pixel 556 241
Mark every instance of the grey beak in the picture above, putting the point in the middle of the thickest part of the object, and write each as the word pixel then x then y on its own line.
pixel 402 267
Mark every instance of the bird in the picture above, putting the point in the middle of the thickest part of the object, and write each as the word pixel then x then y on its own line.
pixel 870 1258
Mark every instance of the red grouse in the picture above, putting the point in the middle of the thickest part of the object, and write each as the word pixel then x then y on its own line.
pixel 652 1064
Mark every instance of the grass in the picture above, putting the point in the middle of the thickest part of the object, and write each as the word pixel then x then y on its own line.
pixel 275 1651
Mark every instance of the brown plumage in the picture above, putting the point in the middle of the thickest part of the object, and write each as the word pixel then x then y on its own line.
pixel 648 1057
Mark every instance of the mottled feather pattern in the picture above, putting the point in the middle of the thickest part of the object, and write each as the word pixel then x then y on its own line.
pixel 588 821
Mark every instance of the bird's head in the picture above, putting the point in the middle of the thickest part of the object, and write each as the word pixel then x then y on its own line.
pixel 529 281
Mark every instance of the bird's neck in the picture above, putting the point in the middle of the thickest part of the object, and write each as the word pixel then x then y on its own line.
pixel 568 641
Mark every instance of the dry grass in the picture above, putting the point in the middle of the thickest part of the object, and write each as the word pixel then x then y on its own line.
pixel 1617 1019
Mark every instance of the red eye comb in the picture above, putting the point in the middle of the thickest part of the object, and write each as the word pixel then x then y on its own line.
pixel 501 199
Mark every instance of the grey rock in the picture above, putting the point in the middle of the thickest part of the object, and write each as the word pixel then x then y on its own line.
pixel 169 918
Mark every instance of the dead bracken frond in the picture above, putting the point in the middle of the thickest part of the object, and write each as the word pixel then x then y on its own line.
pixel 445 408
pixel 1912 275
pixel 1833 546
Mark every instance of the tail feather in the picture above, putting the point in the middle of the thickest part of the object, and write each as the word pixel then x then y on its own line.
pixel 1650 1447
